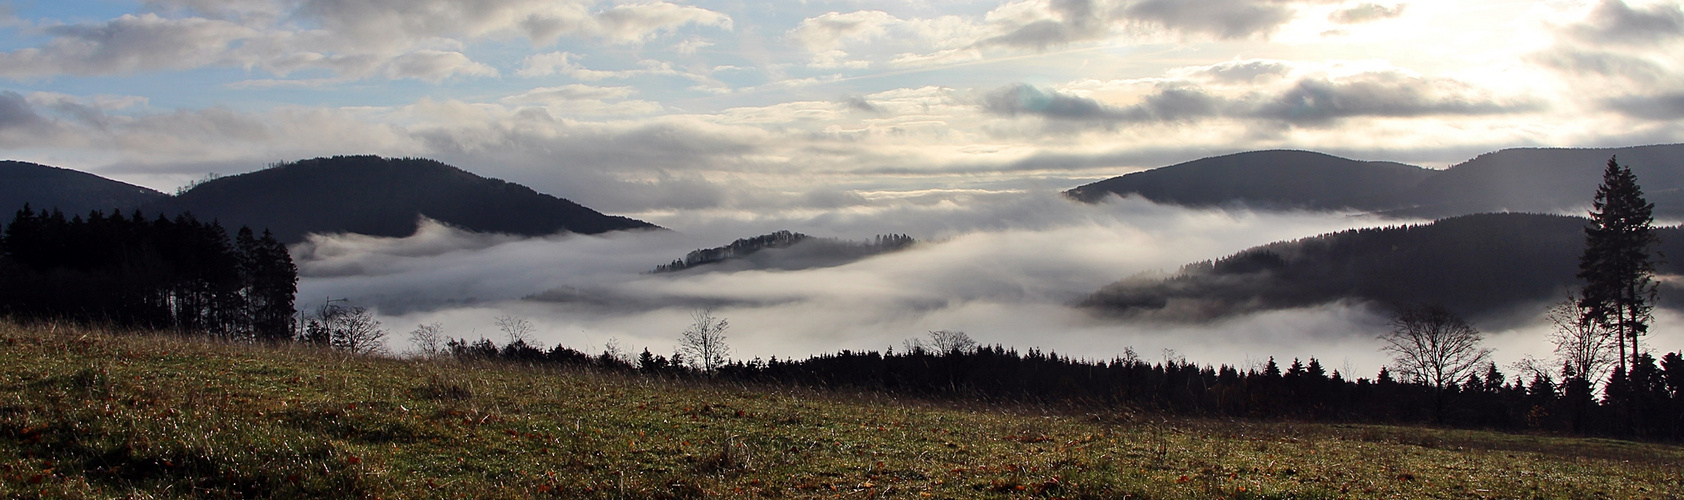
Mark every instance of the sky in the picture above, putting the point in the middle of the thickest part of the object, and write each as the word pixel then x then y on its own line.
pixel 953 122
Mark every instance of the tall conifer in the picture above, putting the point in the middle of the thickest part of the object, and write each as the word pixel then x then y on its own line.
pixel 1617 265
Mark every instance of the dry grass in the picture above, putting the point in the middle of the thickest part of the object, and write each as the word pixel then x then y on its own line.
pixel 92 414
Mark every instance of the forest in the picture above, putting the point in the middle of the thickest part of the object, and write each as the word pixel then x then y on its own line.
pixel 178 274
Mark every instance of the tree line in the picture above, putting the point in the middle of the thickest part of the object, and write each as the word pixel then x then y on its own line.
pixel 178 274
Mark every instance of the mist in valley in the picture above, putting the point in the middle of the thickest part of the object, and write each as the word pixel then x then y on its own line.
pixel 1005 267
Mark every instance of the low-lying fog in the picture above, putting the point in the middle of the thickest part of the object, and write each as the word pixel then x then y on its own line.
pixel 1002 267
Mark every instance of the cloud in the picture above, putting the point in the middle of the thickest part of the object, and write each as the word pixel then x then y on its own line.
pixel 584 100
pixel 1664 107
pixel 1380 94
pixel 1305 102
pixel 1220 18
pixel 20 125
pixel 128 44
pixel 435 65
pixel 395 39
pixel 540 21
pixel 1612 21
pixel 1237 71
pixel 1364 13
pixel 1022 99
pixel 562 63
pixel 1580 63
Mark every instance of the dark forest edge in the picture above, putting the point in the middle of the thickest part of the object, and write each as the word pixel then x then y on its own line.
pixel 1648 404
pixel 132 271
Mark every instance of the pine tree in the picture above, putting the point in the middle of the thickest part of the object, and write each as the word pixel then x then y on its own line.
pixel 1616 265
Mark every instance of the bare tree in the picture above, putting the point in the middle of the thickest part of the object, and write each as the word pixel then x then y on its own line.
pixel 347 328
pixel 517 328
pixel 704 341
pixel 1433 346
pixel 429 339
pixel 1585 345
pixel 946 341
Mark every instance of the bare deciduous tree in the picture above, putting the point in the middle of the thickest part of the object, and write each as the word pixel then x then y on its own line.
pixel 939 342
pixel 946 341
pixel 429 339
pixel 347 328
pixel 517 328
pixel 1584 345
pixel 704 341
pixel 1433 346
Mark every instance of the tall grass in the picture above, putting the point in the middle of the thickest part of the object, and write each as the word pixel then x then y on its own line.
pixel 92 413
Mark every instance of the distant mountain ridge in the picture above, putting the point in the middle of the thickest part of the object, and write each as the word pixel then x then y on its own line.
pixel 342 194
pixel 383 197
pixel 1484 265
pixel 788 250
pixel 1265 179
pixel 46 188
pixel 1538 180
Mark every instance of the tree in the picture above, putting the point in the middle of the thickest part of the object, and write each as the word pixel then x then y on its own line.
pixel 1432 346
pixel 941 342
pixel 517 328
pixel 1584 346
pixel 429 339
pixel 1616 265
pixel 352 329
pixel 704 341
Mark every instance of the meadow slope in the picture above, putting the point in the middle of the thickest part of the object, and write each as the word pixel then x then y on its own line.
pixel 86 413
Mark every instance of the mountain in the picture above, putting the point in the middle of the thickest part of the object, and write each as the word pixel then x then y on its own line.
pixel 1550 180
pixel 46 188
pixel 1512 180
pixel 1486 266
pixel 785 250
pixel 1265 179
pixel 382 197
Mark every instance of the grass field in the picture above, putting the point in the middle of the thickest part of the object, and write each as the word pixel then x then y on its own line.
pixel 89 414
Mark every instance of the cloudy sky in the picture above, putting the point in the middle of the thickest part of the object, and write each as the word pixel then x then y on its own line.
pixel 649 106
pixel 954 122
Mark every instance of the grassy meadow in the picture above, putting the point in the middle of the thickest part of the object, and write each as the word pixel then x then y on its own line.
pixel 86 413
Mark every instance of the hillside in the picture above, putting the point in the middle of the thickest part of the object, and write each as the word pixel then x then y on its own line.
pixel 1480 265
pixel 1263 179
pixel 46 188
pixel 383 197
pixel 92 414
pixel 1511 180
pixel 785 250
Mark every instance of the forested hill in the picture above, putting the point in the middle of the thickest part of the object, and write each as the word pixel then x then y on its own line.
pixel 383 197
pixel 1484 266
pixel 785 250
pixel 1264 179
pixel 46 188
pixel 1540 180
